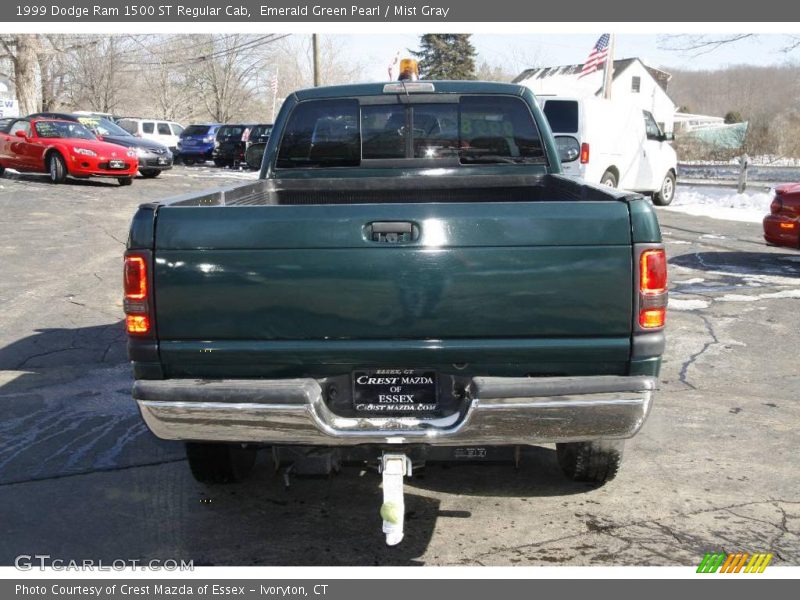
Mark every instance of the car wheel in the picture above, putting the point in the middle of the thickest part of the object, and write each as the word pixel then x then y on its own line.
pixel 150 173
pixel 609 179
pixel 220 463
pixel 664 196
pixel 590 462
pixel 220 162
pixel 56 168
pixel 125 180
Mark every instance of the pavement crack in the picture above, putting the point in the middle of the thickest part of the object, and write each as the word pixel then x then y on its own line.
pixel 684 376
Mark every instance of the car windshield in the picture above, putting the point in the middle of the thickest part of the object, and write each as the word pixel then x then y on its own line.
pixel 472 130
pixel 63 129
pixel 260 131
pixel 102 126
pixel 231 132
pixel 195 130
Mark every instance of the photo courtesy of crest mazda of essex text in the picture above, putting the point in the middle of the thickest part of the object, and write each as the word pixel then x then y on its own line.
pixel 514 299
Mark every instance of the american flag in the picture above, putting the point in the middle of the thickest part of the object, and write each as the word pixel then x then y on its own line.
pixel 273 84
pixel 598 55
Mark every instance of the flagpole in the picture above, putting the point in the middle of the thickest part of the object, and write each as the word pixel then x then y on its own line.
pixel 275 95
pixel 608 69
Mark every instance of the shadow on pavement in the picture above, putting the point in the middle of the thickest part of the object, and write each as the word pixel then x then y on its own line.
pixel 59 354
pixel 742 263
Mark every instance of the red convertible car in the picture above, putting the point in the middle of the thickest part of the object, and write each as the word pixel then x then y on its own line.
pixel 782 225
pixel 61 149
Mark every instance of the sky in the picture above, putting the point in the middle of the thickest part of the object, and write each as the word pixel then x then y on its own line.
pixel 517 52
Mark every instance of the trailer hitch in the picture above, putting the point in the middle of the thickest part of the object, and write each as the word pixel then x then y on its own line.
pixel 393 468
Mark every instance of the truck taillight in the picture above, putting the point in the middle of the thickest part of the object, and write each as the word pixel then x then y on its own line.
pixel 135 277
pixel 652 288
pixel 136 302
pixel 584 153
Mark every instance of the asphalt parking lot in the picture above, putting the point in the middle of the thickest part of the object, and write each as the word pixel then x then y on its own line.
pixel 714 468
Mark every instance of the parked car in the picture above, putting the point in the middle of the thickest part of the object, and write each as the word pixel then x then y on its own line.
pixel 616 144
pixel 256 144
pixel 782 225
pixel 196 143
pixel 153 157
pixel 164 132
pixel 64 148
pixel 229 145
pixel 395 294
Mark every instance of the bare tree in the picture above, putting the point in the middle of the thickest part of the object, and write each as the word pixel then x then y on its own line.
pixel 22 51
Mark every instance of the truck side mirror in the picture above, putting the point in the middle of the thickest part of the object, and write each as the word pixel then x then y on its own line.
pixel 568 148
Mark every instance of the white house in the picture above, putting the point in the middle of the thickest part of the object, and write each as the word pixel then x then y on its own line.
pixel 632 79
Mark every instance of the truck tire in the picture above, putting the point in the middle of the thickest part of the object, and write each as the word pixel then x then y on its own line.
pixel 664 196
pixel 219 463
pixel 590 462
pixel 56 168
pixel 609 179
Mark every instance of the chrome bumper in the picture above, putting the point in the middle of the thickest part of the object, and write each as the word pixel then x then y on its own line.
pixel 500 411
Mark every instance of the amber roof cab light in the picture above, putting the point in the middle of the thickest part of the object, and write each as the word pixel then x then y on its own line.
pixel 652 288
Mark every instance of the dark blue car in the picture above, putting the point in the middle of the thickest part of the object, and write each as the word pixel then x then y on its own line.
pixel 197 143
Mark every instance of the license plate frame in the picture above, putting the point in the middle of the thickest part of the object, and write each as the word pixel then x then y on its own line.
pixel 395 391
pixel 116 164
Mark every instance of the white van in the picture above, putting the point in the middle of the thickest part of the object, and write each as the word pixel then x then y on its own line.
pixel 165 132
pixel 613 143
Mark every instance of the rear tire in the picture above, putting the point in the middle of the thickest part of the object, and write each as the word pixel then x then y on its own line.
pixel 56 168
pixel 125 180
pixel 664 196
pixel 590 462
pixel 609 179
pixel 150 173
pixel 219 463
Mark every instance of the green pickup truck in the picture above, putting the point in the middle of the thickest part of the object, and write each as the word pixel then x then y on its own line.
pixel 410 274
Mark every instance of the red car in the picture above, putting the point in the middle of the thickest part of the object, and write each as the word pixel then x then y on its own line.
pixel 61 149
pixel 782 226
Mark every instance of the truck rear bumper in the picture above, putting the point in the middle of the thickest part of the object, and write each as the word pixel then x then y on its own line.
pixel 500 411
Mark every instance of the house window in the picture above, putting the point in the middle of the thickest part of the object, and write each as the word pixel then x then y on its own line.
pixel 636 84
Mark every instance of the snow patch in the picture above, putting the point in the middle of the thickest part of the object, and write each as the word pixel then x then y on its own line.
pixel 757 297
pixel 721 203
pixel 687 304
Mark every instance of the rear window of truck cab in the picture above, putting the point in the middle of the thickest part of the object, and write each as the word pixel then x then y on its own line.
pixel 470 130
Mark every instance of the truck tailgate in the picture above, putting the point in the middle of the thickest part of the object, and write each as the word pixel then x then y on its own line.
pixel 261 283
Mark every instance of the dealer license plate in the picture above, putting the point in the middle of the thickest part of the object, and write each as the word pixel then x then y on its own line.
pixel 395 391
pixel 116 164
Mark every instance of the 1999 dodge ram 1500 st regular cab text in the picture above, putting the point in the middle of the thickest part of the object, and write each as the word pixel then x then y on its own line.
pixel 411 274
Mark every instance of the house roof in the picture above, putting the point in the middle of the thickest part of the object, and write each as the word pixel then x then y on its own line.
pixel 661 77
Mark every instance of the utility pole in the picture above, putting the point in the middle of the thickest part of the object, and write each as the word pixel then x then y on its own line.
pixel 608 70
pixel 315 45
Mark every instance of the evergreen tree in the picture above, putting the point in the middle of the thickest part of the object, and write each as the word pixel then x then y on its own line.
pixel 446 56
